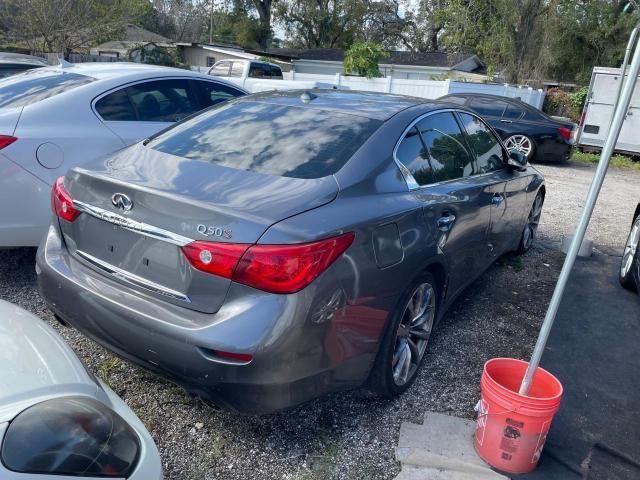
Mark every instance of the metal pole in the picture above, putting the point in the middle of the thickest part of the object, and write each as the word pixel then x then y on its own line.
pixel 627 54
pixel 618 118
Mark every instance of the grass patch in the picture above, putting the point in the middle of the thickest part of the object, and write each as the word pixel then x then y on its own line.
pixel 108 367
pixel 617 161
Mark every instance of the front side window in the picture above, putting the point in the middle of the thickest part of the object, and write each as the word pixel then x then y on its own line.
pixel 35 85
pixel 162 100
pixel 486 146
pixel 272 139
pixel 221 69
pixel 445 143
pixel 237 69
pixel 413 155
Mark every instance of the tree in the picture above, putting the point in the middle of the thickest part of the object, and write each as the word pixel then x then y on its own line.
pixel 363 59
pixel 321 23
pixel 66 25
pixel 264 13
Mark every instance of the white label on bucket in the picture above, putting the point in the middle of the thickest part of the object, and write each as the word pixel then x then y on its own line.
pixel 483 411
pixel 541 439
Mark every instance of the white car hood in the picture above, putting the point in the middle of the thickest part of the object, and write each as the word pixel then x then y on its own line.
pixel 35 363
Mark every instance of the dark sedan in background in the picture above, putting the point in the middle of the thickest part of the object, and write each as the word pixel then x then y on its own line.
pixel 523 128
pixel 12 63
pixel 285 245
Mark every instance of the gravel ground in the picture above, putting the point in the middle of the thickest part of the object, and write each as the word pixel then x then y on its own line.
pixel 352 435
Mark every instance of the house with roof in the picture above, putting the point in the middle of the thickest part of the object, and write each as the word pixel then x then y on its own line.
pixel 206 54
pixel 133 37
pixel 399 64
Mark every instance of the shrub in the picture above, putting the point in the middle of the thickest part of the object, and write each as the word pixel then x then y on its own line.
pixel 363 59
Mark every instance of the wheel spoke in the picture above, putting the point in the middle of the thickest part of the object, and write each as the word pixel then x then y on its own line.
pixel 414 350
pixel 421 334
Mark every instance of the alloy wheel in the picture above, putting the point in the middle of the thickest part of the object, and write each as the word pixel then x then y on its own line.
pixel 519 143
pixel 630 251
pixel 413 333
pixel 529 234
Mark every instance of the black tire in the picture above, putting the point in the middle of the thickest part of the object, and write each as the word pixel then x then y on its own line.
pixel 530 231
pixel 629 273
pixel 382 380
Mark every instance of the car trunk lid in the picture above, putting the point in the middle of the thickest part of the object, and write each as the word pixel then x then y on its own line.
pixel 175 201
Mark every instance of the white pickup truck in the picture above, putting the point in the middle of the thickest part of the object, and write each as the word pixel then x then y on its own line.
pixel 257 76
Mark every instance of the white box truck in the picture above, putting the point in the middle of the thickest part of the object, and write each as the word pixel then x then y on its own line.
pixel 598 113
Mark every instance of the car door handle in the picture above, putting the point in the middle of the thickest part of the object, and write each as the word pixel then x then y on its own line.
pixel 506 121
pixel 496 199
pixel 446 221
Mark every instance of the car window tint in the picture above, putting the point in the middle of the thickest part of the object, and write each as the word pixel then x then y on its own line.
pixel 484 143
pixel 213 93
pixel 445 143
pixel 271 139
pixel 35 85
pixel 413 155
pixel 512 112
pixel 221 69
pixel 276 72
pixel 162 100
pixel 533 116
pixel 259 71
pixel 488 107
pixel 237 69
pixel 116 107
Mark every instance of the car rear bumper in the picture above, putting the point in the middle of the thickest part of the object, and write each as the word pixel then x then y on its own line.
pixel 295 358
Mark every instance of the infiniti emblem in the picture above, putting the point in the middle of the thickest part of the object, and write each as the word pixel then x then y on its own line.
pixel 121 201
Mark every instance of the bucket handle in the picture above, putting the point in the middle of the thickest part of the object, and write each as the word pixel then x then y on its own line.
pixel 477 409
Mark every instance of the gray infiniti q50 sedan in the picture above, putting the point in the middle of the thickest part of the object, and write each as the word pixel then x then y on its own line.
pixel 286 245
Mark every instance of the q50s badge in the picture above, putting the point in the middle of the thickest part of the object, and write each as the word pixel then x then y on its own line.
pixel 213 231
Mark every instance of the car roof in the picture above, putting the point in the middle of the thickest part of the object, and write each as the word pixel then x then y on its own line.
pixel 488 96
pixel 374 105
pixel 108 70
pixel 18 58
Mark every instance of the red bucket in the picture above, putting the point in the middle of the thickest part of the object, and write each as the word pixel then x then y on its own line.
pixel 511 428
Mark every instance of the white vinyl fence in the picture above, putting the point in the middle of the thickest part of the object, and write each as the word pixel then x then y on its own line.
pixel 423 88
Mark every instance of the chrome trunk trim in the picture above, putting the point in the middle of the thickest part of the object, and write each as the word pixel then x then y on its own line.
pixel 131 278
pixel 132 225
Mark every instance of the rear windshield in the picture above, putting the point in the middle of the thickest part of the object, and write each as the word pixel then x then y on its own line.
pixel 273 139
pixel 35 85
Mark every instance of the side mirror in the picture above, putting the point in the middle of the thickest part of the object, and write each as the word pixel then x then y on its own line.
pixel 517 161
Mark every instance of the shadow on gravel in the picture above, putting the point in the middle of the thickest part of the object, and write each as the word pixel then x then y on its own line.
pixel 349 435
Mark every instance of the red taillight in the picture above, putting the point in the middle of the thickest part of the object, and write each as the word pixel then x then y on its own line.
pixel 272 268
pixel 565 133
pixel 6 140
pixel 61 202
pixel 238 357
pixel 216 258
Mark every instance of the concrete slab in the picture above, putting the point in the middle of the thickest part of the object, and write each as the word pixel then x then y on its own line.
pixel 441 448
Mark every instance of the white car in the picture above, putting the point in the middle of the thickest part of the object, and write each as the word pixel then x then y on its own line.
pixel 58 421
pixel 55 118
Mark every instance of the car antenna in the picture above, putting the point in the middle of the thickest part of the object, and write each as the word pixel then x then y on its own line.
pixel 307 96
pixel 62 63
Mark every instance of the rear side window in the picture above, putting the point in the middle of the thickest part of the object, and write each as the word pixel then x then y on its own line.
pixel 35 85
pixel 273 139
pixel 276 72
pixel 116 107
pixel 445 143
pixel 512 112
pixel 212 93
pixel 257 70
pixel 413 155
pixel 488 107
pixel 486 146
pixel 162 100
